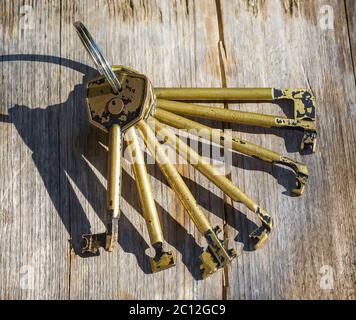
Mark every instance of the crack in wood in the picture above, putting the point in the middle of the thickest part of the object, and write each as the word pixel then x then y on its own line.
pixel 350 31
pixel 227 201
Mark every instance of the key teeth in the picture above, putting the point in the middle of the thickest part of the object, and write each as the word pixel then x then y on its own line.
pixel 90 245
pixel 260 235
pixel 162 261
pixel 301 181
pixel 215 256
pixel 309 141
pixel 301 174
pixel 209 265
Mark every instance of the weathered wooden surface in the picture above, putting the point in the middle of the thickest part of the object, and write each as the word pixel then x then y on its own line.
pixel 52 170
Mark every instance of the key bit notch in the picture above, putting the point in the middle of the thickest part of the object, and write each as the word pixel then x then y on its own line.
pixel 162 260
pixel 309 141
pixel 91 243
pixel 304 113
pixel 301 172
pixel 301 181
pixel 216 256
pixel 261 234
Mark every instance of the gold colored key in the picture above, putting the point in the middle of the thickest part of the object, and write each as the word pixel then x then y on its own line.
pixel 243 146
pixel 303 104
pixel 260 235
pixel 116 101
pixel 215 256
pixel 163 259
pixel 115 113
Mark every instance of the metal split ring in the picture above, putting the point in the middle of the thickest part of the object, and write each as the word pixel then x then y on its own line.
pixel 98 58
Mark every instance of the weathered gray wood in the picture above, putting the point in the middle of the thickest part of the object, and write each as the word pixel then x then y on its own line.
pixel 174 43
pixel 34 244
pixel 281 44
pixel 52 169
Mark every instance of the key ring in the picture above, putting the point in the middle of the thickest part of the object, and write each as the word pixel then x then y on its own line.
pixel 98 58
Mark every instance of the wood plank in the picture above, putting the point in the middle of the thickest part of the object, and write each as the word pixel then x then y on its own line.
pixel 34 247
pixel 53 170
pixel 280 44
pixel 175 44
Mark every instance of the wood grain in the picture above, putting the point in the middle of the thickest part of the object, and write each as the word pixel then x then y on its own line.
pixel 34 262
pixel 270 46
pixel 159 30
pixel 52 168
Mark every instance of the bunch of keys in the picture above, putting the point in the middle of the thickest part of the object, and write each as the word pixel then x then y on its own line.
pixel 123 102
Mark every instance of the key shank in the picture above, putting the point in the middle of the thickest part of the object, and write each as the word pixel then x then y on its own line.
pixel 233 116
pixel 303 106
pixel 108 239
pixel 115 113
pixel 236 144
pixel 114 171
pixel 217 178
pixel 216 256
pixel 163 259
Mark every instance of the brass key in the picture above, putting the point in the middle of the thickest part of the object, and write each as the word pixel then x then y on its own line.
pixel 115 113
pixel 215 256
pixel 163 259
pixel 115 102
pixel 303 104
pixel 260 235
pixel 242 146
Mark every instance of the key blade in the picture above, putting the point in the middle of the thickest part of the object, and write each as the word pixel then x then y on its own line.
pixel 216 256
pixel 162 262
pixel 209 264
